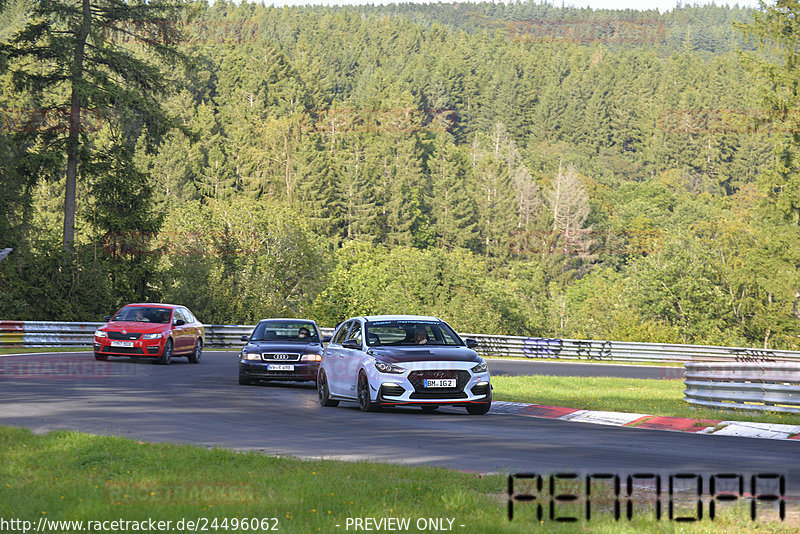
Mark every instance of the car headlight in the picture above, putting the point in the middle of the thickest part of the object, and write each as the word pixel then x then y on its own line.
pixel 100 333
pixel 311 358
pixel 251 355
pixel 155 335
pixel 480 368
pixel 389 368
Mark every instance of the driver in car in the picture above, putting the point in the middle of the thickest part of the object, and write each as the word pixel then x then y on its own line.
pixel 303 333
pixel 420 336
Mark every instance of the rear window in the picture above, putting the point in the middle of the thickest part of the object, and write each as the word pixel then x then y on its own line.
pixel 143 314
pixel 285 331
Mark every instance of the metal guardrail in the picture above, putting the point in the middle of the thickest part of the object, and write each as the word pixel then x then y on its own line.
pixel 59 334
pixel 744 386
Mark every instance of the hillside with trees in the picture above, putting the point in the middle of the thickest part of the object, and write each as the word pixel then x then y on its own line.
pixel 513 168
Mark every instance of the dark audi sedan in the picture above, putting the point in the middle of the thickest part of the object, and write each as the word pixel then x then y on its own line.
pixel 281 349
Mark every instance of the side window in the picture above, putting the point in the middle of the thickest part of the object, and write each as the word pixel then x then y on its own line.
pixel 341 334
pixel 355 332
pixel 188 317
pixel 179 315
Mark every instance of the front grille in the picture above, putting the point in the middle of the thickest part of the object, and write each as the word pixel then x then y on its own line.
pixel 421 392
pixel 123 350
pixel 392 390
pixel 280 357
pixel 130 336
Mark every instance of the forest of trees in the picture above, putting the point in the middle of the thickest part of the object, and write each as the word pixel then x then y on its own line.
pixel 512 168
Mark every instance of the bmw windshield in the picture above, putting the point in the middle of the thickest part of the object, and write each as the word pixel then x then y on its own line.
pixel 410 333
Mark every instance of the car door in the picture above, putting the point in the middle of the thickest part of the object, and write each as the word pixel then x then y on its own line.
pixel 180 333
pixel 351 360
pixel 333 365
pixel 192 328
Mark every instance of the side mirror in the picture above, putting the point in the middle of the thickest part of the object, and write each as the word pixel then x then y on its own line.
pixel 471 343
pixel 326 339
pixel 106 317
pixel 179 322
pixel 245 338
pixel 352 344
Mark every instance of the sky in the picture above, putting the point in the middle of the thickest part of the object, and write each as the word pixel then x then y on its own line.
pixel 661 5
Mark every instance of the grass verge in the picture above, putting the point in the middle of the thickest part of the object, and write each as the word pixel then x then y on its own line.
pixel 634 395
pixel 70 476
pixel 28 350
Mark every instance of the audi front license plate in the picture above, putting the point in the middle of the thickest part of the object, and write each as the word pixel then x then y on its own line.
pixel 440 383
pixel 280 367
pixel 128 344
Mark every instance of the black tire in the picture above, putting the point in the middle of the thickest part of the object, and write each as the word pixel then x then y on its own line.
pixel 429 408
pixel 166 354
pixel 194 357
pixel 323 392
pixel 100 358
pixel 479 409
pixel 244 381
pixel 364 401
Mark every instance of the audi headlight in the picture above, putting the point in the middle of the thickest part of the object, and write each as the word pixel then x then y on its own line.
pixel 480 368
pixel 154 335
pixel 311 358
pixel 100 333
pixel 251 355
pixel 389 368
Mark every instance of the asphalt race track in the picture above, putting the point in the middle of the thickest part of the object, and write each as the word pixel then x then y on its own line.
pixel 204 404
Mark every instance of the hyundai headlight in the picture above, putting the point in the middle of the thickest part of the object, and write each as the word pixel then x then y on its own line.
pixel 389 368
pixel 480 368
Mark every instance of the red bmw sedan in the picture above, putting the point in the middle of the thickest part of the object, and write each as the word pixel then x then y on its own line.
pixel 158 332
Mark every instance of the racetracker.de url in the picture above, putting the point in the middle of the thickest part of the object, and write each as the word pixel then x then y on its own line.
pixel 197 524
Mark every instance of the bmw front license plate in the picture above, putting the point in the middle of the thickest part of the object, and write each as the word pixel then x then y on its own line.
pixel 440 383
pixel 128 344
pixel 280 367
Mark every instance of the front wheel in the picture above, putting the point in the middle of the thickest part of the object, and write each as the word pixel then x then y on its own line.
pixel 480 408
pixel 194 357
pixel 166 355
pixel 323 392
pixel 364 400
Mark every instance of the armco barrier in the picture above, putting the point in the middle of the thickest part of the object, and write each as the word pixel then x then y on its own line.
pixel 61 334
pixel 744 386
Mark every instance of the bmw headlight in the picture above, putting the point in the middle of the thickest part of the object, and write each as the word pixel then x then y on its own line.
pixel 251 355
pixel 480 368
pixel 154 335
pixel 389 368
pixel 100 333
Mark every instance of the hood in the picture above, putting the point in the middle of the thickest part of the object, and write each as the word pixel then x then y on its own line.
pixel 424 354
pixel 144 327
pixel 287 347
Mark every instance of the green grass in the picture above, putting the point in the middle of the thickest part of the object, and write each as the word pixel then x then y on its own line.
pixel 28 350
pixel 635 395
pixel 74 476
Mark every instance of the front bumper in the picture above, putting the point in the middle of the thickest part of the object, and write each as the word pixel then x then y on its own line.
pixel 256 370
pixel 409 388
pixel 142 348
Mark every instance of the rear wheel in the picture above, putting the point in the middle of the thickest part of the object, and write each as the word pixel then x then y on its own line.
pixel 364 400
pixel 323 392
pixel 194 357
pixel 166 355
